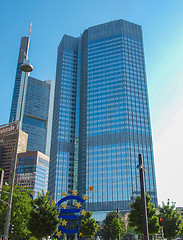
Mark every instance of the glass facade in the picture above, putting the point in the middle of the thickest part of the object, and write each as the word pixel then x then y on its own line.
pixel 61 172
pixel 32 171
pixel 19 81
pixel 37 105
pixel 36 114
pixel 114 119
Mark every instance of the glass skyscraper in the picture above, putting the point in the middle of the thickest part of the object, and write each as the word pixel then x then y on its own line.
pixel 37 105
pixel 101 119
pixel 19 81
pixel 37 114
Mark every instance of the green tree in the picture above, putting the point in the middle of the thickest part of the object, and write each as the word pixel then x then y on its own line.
pixel 32 238
pixel 172 221
pixel 136 217
pixel 20 212
pixel 116 228
pixel 110 231
pixel 44 219
pixel 88 227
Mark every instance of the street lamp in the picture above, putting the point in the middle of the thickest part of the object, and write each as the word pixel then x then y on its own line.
pixel 25 67
pixel 1 180
pixel 141 168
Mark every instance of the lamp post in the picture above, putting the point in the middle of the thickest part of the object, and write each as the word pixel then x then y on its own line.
pixel 1 180
pixel 25 67
pixel 143 197
pixel 118 221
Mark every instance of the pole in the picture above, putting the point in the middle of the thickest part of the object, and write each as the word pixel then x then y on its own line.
pixel 8 213
pixel 162 232
pixel 118 221
pixel 143 197
pixel 1 181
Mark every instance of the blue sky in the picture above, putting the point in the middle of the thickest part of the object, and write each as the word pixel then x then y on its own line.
pixel 162 23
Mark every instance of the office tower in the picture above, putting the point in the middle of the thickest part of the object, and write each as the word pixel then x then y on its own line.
pixel 37 105
pixel 8 141
pixel 37 115
pixel 33 167
pixel 101 119
pixel 19 81
pixel 61 170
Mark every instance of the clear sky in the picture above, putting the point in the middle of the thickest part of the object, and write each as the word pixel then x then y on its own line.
pixel 162 23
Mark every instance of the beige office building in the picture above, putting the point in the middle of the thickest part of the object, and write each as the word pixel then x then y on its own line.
pixel 8 141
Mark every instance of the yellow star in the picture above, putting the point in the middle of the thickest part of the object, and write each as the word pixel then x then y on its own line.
pixel 64 222
pixel 64 194
pixel 53 202
pixel 64 205
pixel 85 197
pixel 83 212
pixel 78 204
pixel 59 234
pixel 74 192
pixel 80 234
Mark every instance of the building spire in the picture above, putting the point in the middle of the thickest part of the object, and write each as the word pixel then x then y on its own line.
pixel 29 39
pixel 30 29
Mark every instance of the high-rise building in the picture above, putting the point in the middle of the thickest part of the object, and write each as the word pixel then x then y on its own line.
pixel 32 173
pixel 37 115
pixel 101 119
pixel 19 81
pixel 8 143
pixel 37 105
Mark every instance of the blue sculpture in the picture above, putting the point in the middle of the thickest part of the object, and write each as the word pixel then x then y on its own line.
pixel 62 211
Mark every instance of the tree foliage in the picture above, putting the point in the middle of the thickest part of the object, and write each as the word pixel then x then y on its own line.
pixel 112 226
pixel 116 228
pixel 136 216
pixel 172 221
pixel 43 220
pixel 20 211
pixel 88 227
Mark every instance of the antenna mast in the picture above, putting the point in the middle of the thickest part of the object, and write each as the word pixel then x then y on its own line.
pixel 29 40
